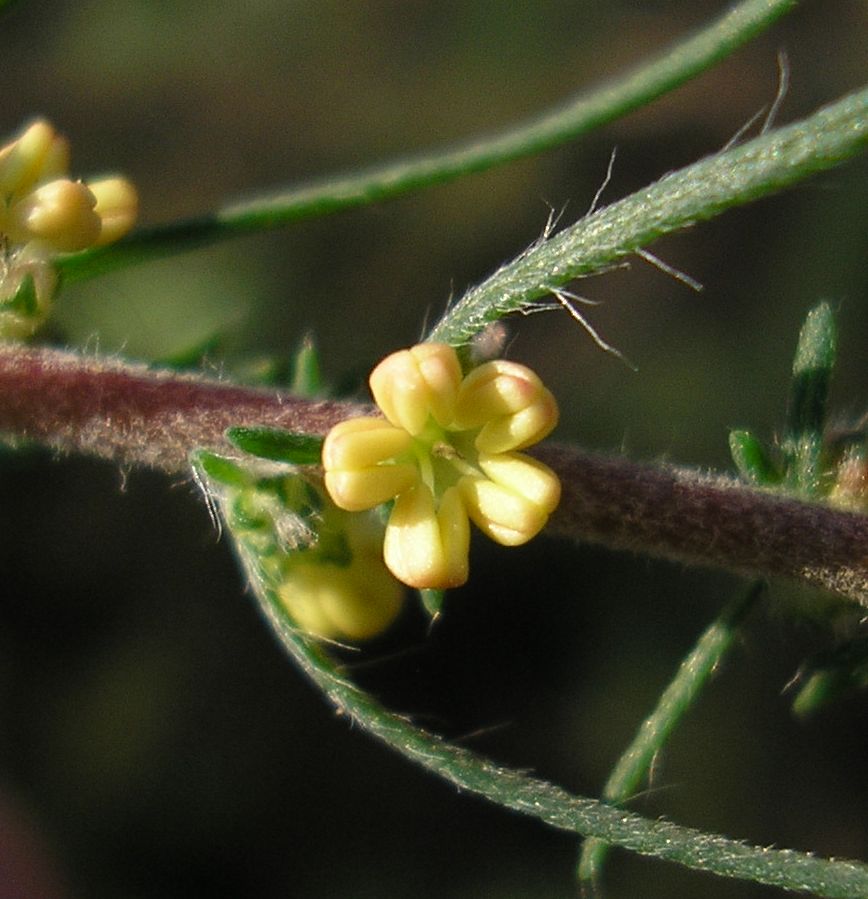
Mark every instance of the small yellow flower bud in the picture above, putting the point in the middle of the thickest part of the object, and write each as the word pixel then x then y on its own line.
pixel 38 155
pixel 117 205
pixel 60 214
pixel 356 602
pixel 425 548
pixel 411 385
pixel 509 402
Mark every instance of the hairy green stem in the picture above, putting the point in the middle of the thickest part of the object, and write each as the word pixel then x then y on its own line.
pixel 674 703
pixel 673 67
pixel 659 838
pixel 699 191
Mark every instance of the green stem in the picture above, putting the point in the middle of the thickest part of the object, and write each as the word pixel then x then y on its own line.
pixel 783 868
pixel 670 69
pixel 699 191
pixel 676 700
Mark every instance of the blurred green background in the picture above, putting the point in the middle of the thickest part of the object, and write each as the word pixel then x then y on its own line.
pixel 154 741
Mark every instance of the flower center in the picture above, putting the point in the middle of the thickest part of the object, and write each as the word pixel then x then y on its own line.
pixel 444 457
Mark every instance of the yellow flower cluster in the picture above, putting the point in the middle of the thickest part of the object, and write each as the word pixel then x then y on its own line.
pixel 447 453
pixel 44 212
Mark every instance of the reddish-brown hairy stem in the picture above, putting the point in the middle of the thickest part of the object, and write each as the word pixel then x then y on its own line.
pixel 134 415
pixel 678 513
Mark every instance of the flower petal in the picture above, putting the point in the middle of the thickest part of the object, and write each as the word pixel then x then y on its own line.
pixel 411 385
pixel 361 442
pixel 117 205
pixel 506 517
pixel 355 491
pixel 427 549
pixel 439 367
pixel 39 154
pixel 525 476
pixel 494 389
pixel 522 429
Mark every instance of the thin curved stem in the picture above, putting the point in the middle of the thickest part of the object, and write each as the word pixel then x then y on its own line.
pixel 578 116
pixel 700 191
pixel 661 839
pixel 676 700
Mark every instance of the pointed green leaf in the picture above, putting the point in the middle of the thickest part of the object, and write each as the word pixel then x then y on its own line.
pixel 221 469
pixel 278 445
pixel 24 300
pixel 809 391
pixel 832 675
pixel 306 372
pixel 193 356
pixel 751 459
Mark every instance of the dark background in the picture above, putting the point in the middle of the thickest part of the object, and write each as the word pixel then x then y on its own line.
pixel 154 741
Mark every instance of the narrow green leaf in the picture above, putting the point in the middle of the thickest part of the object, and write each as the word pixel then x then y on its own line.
pixel 676 700
pixel 832 675
pixel 698 192
pixel 218 468
pixel 24 301
pixel 192 356
pixel 278 445
pixel 306 373
pixel 674 66
pixel 751 459
pixel 809 391
pixel 785 868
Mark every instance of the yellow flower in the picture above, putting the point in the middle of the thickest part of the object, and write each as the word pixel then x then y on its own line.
pixel 446 452
pixel 355 602
pixel 43 212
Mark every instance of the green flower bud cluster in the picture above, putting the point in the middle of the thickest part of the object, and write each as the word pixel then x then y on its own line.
pixel 322 565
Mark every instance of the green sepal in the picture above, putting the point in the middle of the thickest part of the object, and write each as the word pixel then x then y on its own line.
pixel 221 469
pixel 306 370
pixel 809 391
pixel 262 371
pixel 432 601
pixel 278 445
pixel 24 301
pixel 832 675
pixel 249 511
pixel 333 548
pixel 192 356
pixel 296 493
pixel 751 459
